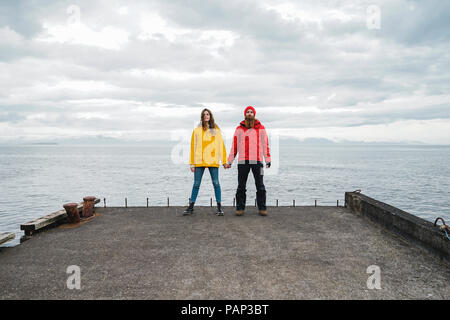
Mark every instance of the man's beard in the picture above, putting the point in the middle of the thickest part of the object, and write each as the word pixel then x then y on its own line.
pixel 249 121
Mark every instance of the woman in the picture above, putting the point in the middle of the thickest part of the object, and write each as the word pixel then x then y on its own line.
pixel 207 148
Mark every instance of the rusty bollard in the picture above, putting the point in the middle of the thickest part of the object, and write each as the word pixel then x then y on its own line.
pixel 72 212
pixel 88 206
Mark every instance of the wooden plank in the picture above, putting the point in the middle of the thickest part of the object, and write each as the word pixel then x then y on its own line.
pixel 49 219
pixel 6 236
pixel 44 221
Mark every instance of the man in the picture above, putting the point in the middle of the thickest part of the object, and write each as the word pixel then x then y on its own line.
pixel 251 142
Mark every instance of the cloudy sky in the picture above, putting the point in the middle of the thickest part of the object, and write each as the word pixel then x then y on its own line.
pixel 141 70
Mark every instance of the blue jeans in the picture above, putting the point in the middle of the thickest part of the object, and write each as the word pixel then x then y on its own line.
pixel 198 174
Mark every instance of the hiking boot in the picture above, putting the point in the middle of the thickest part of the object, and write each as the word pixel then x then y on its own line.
pixel 189 210
pixel 263 212
pixel 219 209
pixel 239 212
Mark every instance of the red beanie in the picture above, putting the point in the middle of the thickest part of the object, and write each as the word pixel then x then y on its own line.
pixel 249 107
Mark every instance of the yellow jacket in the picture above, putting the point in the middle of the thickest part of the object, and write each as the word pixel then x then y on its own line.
pixel 207 147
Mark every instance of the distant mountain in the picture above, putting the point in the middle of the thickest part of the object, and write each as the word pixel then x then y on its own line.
pixel 324 141
pixel 100 140
pixel 92 140
pixel 44 143
pixel 410 142
pixel 104 140
pixel 307 141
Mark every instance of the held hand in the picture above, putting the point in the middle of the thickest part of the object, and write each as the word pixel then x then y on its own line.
pixel 268 165
pixel 192 169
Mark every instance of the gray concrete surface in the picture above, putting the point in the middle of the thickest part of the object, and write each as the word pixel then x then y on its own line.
pixel 416 230
pixel 156 253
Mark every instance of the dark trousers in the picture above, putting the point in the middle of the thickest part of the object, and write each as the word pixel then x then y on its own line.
pixel 258 174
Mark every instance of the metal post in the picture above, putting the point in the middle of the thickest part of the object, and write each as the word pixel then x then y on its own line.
pixel 234 202
pixel 293 203
pixel 88 206
pixel 315 203
pixel 73 215
pixel 337 204
pixel 104 202
pixel 277 202
pixel 189 202
pixel 168 203
pixel 255 202
pixel 210 202
pixel 126 203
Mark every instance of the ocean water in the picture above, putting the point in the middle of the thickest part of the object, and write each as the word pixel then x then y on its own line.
pixel 36 180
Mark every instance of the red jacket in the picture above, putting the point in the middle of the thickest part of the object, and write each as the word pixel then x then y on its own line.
pixel 250 143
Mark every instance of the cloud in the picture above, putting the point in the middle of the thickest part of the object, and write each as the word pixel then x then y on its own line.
pixel 133 69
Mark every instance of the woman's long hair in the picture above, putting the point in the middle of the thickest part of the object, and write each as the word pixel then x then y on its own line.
pixel 212 124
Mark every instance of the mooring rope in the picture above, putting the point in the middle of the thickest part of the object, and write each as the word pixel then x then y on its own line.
pixel 443 227
pixel 446 234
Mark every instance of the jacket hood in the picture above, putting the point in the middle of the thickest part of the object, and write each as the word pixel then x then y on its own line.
pixel 257 124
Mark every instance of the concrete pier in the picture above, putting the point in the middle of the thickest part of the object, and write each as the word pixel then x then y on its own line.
pixel 156 253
